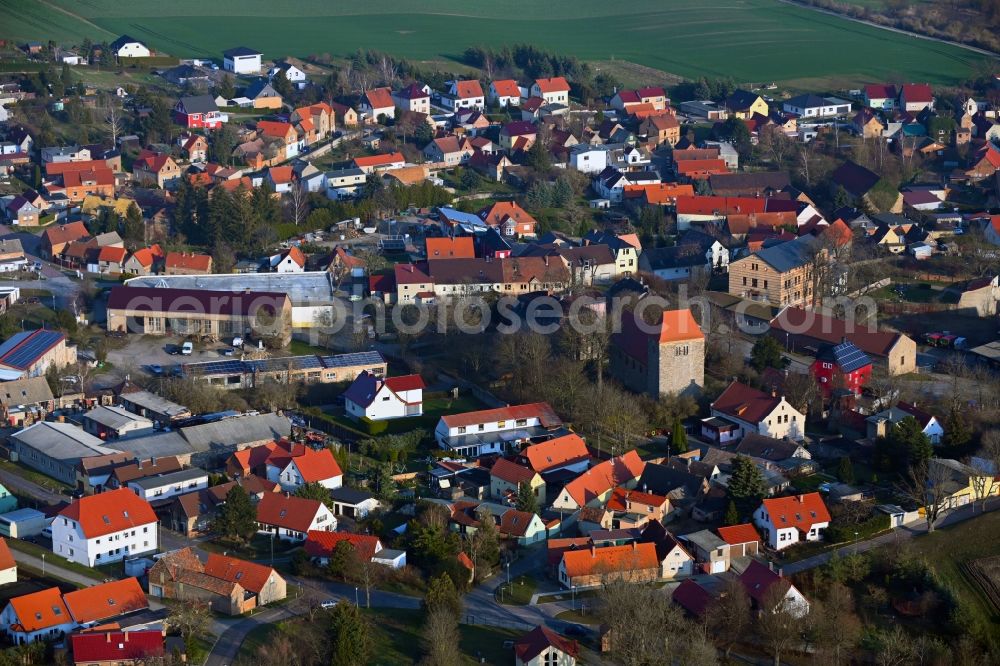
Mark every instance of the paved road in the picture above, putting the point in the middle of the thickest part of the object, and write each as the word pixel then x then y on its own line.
pixel 899 534
pixel 52 568
pixel 23 486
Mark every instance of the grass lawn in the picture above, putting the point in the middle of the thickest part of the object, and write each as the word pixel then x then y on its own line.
pixel 46 482
pixel 948 549
pixel 754 40
pixel 259 548
pixel 520 591
pixel 578 617
pixel 55 560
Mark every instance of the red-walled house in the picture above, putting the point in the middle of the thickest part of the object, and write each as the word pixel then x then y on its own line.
pixel 841 366
pixel 199 111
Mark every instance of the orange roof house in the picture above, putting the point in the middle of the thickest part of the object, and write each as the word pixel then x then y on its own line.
pixel 587 566
pixel 184 263
pixel 109 512
pixel 553 84
pixel 371 163
pixel 322 544
pixel 6 561
pixel 460 247
pixel 507 88
pixel 252 576
pixel 510 218
pixel 739 534
pixel 785 521
pixel 595 484
pixel 379 100
pixel 39 612
pixel 556 453
pixel 659 194
pixel 468 89
pixel 95 604
pixel 277 130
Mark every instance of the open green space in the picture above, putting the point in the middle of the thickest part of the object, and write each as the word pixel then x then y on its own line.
pixel 520 591
pixel 948 549
pixel 54 560
pixel 751 40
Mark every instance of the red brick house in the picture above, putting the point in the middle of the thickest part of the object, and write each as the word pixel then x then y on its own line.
pixel 841 366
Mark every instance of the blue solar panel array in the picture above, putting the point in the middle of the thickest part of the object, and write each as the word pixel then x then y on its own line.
pixel 24 349
pixel 237 367
pixel 849 357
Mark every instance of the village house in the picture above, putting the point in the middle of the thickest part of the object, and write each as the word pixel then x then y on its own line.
pixel 661 130
pixel 195 148
pixel 414 97
pixel 881 97
pixel 383 162
pixel 768 588
pixel 518 136
pixel 781 274
pixel 199 112
pixel 466 94
pixel 241 60
pixel 187 263
pixel 113 647
pixel 509 219
pixel 129 47
pixel 320 546
pixel 590 567
pixel 449 150
pixel 594 486
pixel 744 105
pixel 376 103
pixel 881 423
pixel 553 90
pixel 752 411
pixel 473 434
pixel 143 261
pixel 382 398
pixel 567 452
pixel 109 527
pixel 290 518
pixel 785 521
pixel 504 93
pixel 156 169
pixel 263 582
pixel 507 478
pixel 841 367
pixel 543 647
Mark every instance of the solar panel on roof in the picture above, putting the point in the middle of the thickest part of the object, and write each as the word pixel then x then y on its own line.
pixel 356 358
pixel 849 357
pixel 310 362
pixel 24 349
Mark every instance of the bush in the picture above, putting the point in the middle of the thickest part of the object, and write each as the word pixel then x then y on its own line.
pixel 373 427
pixel 844 533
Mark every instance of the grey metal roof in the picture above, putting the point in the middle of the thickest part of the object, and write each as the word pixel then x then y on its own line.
pixel 155 445
pixel 179 476
pixel 116 417
pixel 310 361
pixel 240 51
pixel 786 256
pixel 237 430
pixel 705 540
pixel 61 441
pixel 155 403
pixel 311 287
pixel 26 391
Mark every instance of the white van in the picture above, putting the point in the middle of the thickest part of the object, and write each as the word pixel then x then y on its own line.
pixel 187 348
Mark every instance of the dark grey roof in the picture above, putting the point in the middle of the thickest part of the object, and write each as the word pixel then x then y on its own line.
pixel 122 41
pixel 199 104
pixel 786 256
pixel 807 101
pixel 240 51
pixel 661 480
pixel 350 495
pixel 237 430
pixel 678 256
pixel 766 448
pixel 741 99
pixel 258 87
pixel 166 479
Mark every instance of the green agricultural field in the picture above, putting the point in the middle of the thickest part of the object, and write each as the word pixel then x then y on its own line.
pixel 751 40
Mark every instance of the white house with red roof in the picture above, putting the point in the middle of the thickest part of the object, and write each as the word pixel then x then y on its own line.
pixel 766 587
pixel 291 518
pixel 377 102
pixel 103 528
pixel 466 94
pixel 383 398
pixel 785 521
pixel 8 566
pixel 554 90
pixel 594 486
pixel 543 647
pixel 414 97
pixel 320 546
pixel 504 93
pixel 916 97
pixel 880 96
pixel 753 411
pixel 301 465
pixel 37 616
pixel 473 434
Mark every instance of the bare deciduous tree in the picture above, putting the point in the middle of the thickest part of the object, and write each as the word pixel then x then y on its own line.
pixel 924 485
pixel 298 202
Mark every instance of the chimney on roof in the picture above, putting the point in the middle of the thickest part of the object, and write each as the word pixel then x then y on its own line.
pixel 770 565
pixel 593 553
pixel 774 393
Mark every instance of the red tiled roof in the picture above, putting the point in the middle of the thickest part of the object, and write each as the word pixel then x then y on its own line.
pixel 604 476
pixel 379 160
pixel 553 84
pixel 799 511
pixel 539 639
pixel 743 223
pixel 507 88
pixel 281 174
pixel 109 512
pixel 293 513
pixel 541 410
pixel 611 559
pixel 515 523
pixel 250 575
pixel 468 89
pixel 501 211
pixel 123 647
pixel 112 254
pixel 198 262
pixel 460 247
pixel 650 92
pixel 922 417
pixel 315 466
pixel 275 129
pixel 40 610
pixel 379 98
pixel 295 254
pixel 66 233
pixel 322 544
pixel 59 168
pixel 97 176
pixel 147 255
pixel 674 326
pixel 917 92
pixel 412 274
pixel 745 402
pixel 621 497
pixel 698 205
pixel 692 597
pixel 106 600
pixel 556 452
pixel 405 383
pixel 737 534
pixel 659 193
pixel 758 579
pixel 511 472
pixel 879 91
pixel 808 323
pixel 6 559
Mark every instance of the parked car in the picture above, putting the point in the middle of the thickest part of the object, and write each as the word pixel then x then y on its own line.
pixel 238 341
pixel 329 603
pixel 155 368
pixel 187 348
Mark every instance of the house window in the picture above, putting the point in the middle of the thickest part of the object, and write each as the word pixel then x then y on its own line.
pixel 461 430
